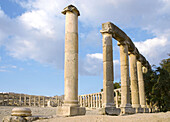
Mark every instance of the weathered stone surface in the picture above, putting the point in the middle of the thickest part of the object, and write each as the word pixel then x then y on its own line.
pixel 24 119
pixel 127 110
pixel 146 110
pixel 110 111
pixel 134 82
pixel 70 111
pixel 141 85
pixel 139 110
pixel 19 119
pixel 21 112
pixel 70 8
pixel 71 106
pixel 124 66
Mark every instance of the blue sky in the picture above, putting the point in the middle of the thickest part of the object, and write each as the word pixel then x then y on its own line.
pixel 32 41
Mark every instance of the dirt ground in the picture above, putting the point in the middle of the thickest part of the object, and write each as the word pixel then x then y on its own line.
pixel 91 116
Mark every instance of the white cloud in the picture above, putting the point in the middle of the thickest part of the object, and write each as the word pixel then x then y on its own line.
pixel 154 49
pixel 98 56
pixel 14 67
pixel 93 65
pixel 38 34
pixel 3 70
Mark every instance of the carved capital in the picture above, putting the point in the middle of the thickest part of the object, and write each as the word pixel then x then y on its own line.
pixel 134 52
pixel 122 43
pixel 70 8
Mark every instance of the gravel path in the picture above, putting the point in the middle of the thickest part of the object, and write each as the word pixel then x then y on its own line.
pixel 90 116
pixel 36 111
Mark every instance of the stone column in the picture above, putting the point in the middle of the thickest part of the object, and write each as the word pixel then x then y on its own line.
pixel 3 99
pixel 88 101
pixel 117 104
pixel 141 85
pixel 99 101
pixel 71 64
pixel 91 100
pixel 34 101
pixel 20 100
pixel 43 101
pixel 81 101
pixel 96 100
pixel 108 97
pixel 29 100
pixel 71 56
pixel 102 99
pixel 25 100
pixel 7 99
pixel 108 100
pixel 84 101
pixel 39 101
pixel 125 84
pixel 134 82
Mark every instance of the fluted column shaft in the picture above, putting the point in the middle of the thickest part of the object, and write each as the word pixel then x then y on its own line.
pixel 134 81
pixel 141 85
pixel 108 99
pixel 124 66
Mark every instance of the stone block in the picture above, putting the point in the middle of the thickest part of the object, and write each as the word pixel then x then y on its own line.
pixel 127 110
pixel 70 111
pixel 146 110
pixel 139 110
pixel 21 112
pixel 110 111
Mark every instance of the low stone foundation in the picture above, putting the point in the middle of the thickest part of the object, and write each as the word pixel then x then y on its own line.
pixel 127 110
pixel 110 111
pixel 70 111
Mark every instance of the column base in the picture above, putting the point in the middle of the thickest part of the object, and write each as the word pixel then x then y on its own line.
pixel 139 110
pixel 127 110
pixel 110 111
pixel 146 110
pixel 150 110
pixel 70 110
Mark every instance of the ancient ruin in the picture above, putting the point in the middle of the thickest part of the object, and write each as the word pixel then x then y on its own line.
pixel 110 101
pixel 71 106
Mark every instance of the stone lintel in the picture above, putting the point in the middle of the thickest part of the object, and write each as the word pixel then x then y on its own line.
pixel 70 8
pixel 117 33
pixel 70 111
pixel 110 111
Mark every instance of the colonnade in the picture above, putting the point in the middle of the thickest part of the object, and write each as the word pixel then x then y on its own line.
pixel 15 99
pixel 95 100
pixel 127 50
pixel 134 79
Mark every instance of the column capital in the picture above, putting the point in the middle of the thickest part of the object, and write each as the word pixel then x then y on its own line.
pixel 122 43
pixel 134 52
pixel 71 8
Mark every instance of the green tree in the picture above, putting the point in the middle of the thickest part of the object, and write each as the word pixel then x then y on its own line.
pixel 157 85
pixel 117 85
